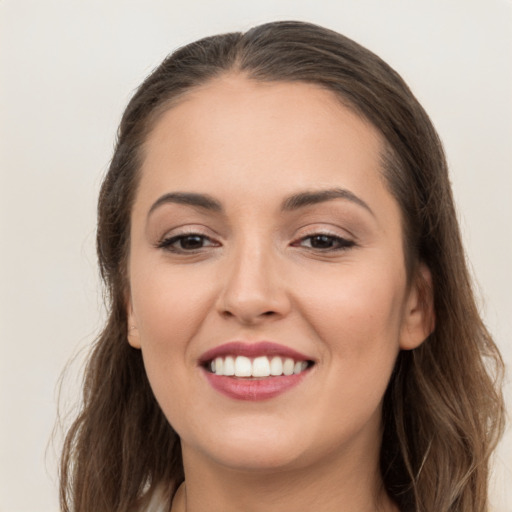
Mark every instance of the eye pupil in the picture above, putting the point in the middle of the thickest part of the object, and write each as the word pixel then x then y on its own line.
pixel 321 242
pixel 191 242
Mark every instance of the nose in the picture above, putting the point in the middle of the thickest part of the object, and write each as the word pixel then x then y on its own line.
pixel 254 287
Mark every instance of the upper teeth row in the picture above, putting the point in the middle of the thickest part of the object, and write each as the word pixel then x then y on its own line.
pixel 242 366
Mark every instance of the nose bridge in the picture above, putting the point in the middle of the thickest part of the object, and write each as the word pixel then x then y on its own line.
pixel 252 288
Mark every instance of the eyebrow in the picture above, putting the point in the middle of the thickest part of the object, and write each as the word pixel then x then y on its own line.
pixel 294 202
pixel 203 201
pixel 308 198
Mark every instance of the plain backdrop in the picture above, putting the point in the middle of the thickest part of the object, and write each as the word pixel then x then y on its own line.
pixel 68 68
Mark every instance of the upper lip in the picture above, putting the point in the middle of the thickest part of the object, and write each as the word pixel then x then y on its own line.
pixel 252 350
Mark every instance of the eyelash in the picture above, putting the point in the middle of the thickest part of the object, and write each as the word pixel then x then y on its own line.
pixel 340 243
pixel 169 244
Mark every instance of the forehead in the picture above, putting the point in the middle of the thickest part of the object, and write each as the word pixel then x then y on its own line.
pixel 233 102
pixel 237 136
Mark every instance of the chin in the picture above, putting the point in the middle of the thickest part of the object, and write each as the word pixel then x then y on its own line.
pixel 253 447
pixel 258 458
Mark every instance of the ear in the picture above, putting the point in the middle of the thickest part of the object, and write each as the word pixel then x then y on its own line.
pixel 419 318
pixel 133 334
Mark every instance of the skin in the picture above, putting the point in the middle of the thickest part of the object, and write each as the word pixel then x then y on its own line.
pixel 257 274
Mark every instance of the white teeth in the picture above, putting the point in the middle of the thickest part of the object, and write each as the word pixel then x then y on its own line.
pixel 259 367
pixel 276 366
pixel 229 366
pixel 243 367
pixel 299 367
pixel 288 366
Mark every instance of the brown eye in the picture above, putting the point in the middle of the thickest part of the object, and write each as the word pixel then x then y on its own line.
pixel 323 242
pixel 186 243
pixel 191 242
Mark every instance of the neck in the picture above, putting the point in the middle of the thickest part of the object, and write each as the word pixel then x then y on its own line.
pixel 353 486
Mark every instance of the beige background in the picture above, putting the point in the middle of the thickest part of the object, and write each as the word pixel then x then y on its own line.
pixel 67 69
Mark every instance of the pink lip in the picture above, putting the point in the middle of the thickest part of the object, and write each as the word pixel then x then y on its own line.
pixel 252 350
pixel 253 389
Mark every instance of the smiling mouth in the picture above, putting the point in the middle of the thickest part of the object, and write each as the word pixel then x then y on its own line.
pixel 256 368
pixel 254 371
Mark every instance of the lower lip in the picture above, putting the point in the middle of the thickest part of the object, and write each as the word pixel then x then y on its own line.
pixel 254 389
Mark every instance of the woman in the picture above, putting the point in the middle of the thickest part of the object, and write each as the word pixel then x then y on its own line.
pixel 292 325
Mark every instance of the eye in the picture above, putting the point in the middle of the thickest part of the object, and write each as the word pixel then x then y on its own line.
pixel 324 242
pixel 189 242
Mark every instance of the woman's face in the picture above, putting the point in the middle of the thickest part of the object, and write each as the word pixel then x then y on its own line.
pixel 265 241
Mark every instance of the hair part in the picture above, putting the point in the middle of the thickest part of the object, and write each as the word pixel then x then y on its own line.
pixel 442 411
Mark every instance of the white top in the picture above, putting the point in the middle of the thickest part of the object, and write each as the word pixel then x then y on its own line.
pixel 157 502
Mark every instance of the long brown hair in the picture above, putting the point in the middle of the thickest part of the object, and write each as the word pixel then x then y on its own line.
pixel 443 409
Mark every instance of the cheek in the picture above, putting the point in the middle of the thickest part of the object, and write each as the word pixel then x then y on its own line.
pixel 169 306
pixel 356 318
pixel 168 303
pixel 357 315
